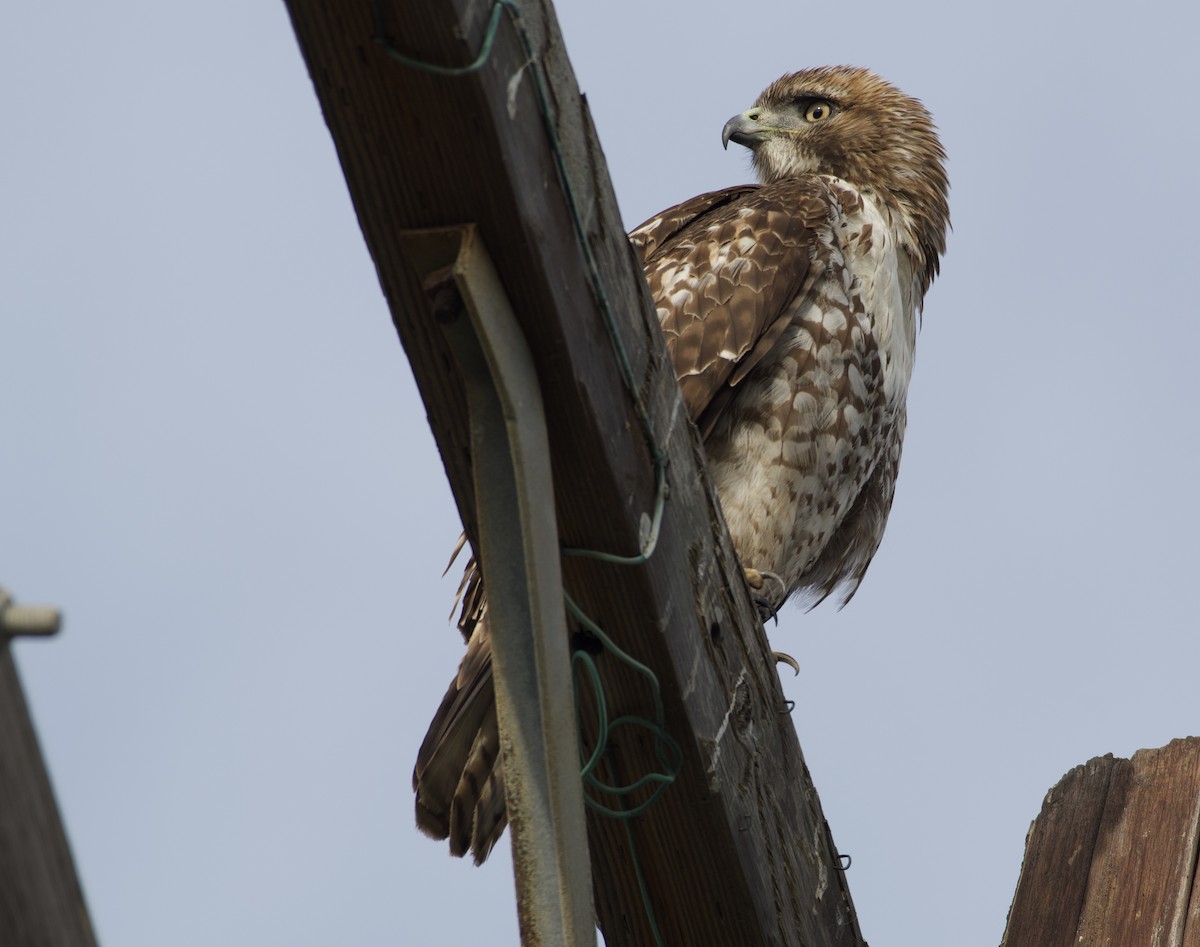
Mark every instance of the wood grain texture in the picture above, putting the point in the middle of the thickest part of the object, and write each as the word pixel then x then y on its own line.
pixel 1111 859
pixel 737 852
pixel 41 902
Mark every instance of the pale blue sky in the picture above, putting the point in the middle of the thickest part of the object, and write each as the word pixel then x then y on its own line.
pixel 215 460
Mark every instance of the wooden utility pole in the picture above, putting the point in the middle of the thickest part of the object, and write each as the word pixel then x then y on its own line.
pixel 1111 860
pixel 41 902
pixel 736 851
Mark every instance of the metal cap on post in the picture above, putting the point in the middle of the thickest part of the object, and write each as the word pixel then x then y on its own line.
pixel 42 903
pixel 38 621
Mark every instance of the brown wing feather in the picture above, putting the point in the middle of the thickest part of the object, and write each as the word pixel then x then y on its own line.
pixel 726 280
pixel 457 779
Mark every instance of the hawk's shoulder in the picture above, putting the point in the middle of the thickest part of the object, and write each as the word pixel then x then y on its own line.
pixel 651 235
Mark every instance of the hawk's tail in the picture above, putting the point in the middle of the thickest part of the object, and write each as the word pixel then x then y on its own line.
pixel 458 781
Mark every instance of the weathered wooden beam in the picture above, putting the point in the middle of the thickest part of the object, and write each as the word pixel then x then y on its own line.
pixel 41 902
pixel 736 851
pixel 1112 857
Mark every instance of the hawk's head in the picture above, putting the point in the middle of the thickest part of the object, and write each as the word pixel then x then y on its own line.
pixel 847 122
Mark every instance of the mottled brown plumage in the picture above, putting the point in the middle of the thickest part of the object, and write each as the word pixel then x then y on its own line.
pixel 790 312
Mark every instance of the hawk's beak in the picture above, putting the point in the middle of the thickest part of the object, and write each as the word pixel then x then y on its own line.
pixel 743 129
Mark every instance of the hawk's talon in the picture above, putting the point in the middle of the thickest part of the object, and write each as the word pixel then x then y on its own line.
pixel 781 658
pixel 766 611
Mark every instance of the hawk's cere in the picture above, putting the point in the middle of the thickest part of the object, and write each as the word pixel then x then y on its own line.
pixel 790 312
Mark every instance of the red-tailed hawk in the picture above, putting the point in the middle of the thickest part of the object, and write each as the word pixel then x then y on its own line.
pixel 790 311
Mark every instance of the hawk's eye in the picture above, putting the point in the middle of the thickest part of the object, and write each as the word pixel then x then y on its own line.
pixel 818 112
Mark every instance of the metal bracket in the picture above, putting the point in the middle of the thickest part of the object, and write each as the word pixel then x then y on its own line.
pixel 519 557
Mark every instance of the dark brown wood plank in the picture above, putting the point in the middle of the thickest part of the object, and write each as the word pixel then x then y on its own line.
pixel 736 852
pixel 1191 927
pixel 1111 859
pixel 41 902
pixel 1058 857
pixel 1145 856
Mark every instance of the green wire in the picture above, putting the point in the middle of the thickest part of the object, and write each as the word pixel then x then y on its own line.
pixel 641 880
pixel 670 756
pixel 651 543
pixel 485 50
